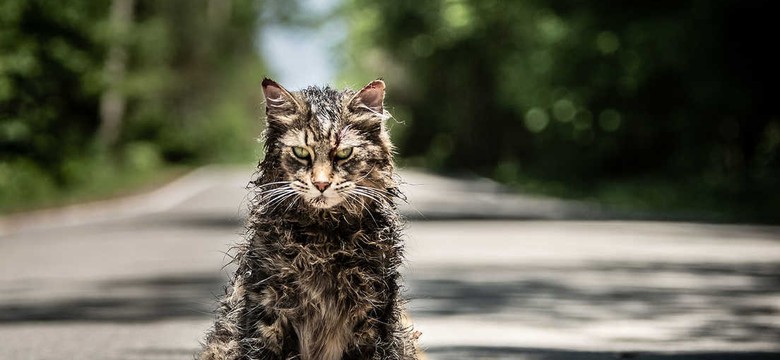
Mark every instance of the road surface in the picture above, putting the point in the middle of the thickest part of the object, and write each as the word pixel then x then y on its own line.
pixel 490 275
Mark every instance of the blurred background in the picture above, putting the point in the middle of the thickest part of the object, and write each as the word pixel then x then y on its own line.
pixel 518 111
pixel 664 106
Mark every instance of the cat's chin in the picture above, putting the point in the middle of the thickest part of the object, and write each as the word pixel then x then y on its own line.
pixel 323 202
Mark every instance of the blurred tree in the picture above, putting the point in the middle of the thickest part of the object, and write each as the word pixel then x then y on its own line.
pixel 579 91
pixel 112 102
pixel 185 56
pixel 49 81
pixel 155 81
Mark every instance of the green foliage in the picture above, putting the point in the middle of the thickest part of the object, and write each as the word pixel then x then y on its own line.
pixel 49 83
pixel 190 88
pixel 193 76
pixel 580 93
pixel 25 186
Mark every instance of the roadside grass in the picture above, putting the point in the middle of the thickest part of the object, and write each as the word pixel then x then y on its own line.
pixel 225 131
pixel 28 189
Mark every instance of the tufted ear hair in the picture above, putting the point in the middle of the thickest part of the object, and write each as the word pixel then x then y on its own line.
pixel 278 101
pixel 370 98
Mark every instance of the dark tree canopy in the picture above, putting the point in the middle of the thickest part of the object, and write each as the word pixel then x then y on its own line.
pixel 183 86
pixel 581 91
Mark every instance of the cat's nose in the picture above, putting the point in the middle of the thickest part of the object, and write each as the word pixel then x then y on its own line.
pixel 321 185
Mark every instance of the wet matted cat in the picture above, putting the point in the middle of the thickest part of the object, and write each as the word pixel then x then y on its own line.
pixel 317 275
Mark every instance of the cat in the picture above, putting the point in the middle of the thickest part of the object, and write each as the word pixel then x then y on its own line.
pixel 317 275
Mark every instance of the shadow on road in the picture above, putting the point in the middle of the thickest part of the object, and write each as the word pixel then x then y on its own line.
pixel 125 300
pixel 675 302
pixel 488 353
pixel 733 304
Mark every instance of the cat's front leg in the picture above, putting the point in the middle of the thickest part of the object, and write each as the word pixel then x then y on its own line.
pixel 377 339
pixel 219 350
pixel 247 328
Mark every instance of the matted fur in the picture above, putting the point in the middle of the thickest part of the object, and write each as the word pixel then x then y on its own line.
pixel 318 281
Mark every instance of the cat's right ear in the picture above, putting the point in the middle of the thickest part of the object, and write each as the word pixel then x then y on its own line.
pixel 279 103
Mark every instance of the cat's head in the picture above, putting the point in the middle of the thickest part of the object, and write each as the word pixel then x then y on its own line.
pixel 326 149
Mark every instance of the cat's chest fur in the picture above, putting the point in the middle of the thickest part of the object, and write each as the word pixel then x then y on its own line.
pixel 327 311
pixel 331 281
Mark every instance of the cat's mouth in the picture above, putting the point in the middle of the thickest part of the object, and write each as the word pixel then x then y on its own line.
pixel 324 202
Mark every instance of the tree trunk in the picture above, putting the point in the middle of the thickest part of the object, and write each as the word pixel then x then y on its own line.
pixel 112 101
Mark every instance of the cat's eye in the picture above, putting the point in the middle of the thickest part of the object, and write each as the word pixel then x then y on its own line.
pixel 300 152
pixel 344 153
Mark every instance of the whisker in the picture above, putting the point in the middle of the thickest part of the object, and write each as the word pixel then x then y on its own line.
pixel 272 197
pixel 271 191
pixel 266 187
pixel 363 206
pixel 389 195
pixel 281 200
pixel 272 183
pixel 369 195
pixel 376 192
pixel 295 200
pixel 277 196
pixel 369 172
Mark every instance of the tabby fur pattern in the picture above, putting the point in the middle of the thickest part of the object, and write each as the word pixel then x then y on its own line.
pixel 317 276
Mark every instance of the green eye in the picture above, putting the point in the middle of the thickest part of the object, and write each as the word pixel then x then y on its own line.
pixel 300 152
pixel 343 153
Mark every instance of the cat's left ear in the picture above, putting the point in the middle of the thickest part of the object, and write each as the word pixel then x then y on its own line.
pixel 278 101
pixel 370 98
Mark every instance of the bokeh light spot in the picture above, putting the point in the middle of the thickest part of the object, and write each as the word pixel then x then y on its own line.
pixel 457 14
pixel 536 120
pixel 563 110
pixel 550 26
pixel 607 42
pixel 609 120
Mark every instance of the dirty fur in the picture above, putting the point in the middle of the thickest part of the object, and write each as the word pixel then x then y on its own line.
pixel 317 276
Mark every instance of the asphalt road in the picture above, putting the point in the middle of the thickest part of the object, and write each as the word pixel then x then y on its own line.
pixel 490 275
